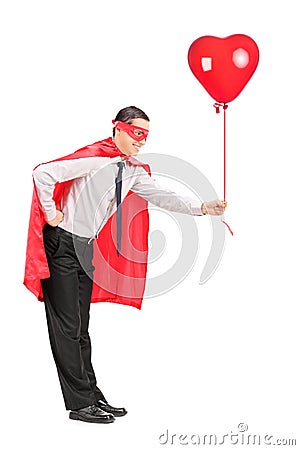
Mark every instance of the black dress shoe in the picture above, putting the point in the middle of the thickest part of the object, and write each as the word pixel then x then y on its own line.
pixel 118 412
pixel 91 414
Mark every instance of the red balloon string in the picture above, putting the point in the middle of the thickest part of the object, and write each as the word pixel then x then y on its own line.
pixel 227 226
pixel 224 106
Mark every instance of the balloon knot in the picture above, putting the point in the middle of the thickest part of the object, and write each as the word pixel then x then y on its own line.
pixel 219 105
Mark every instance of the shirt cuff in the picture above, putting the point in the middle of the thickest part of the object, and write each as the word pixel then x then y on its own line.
pixel 198 211
pixel 196 208
pixel 50 215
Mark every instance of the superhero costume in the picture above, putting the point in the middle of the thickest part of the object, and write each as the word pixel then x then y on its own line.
pixel 106 261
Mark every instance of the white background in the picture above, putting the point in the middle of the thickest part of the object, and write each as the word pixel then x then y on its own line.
pixel 198 359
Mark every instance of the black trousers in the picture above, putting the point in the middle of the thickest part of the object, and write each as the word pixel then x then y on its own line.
pixel 67 295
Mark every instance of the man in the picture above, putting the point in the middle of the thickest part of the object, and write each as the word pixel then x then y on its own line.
pixel 94 199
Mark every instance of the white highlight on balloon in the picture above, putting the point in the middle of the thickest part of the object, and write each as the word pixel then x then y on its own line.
pixel 206 64
pixel 240 58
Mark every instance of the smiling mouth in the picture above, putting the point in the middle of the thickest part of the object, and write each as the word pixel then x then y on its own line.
pixel 136 147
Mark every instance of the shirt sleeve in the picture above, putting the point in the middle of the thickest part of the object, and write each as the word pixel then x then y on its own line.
pixel 47 175
pixel 149 188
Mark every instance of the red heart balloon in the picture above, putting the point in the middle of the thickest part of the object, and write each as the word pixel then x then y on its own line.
pixel 223 65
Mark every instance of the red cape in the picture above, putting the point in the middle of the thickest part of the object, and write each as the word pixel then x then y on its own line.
pixel 118 279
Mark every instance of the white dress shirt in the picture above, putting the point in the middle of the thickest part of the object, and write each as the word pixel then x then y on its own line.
pixel 91 200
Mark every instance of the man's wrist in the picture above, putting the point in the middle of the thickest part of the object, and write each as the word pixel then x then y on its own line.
pixel 203 209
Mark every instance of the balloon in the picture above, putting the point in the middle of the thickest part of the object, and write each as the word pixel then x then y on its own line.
pixel 223 65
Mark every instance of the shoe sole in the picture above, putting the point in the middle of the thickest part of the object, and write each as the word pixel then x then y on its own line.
pixel 76 416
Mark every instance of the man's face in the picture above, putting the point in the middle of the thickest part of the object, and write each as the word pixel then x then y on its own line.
pixel 125 143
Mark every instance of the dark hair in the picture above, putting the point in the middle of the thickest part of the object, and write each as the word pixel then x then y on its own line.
pixel 130 113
